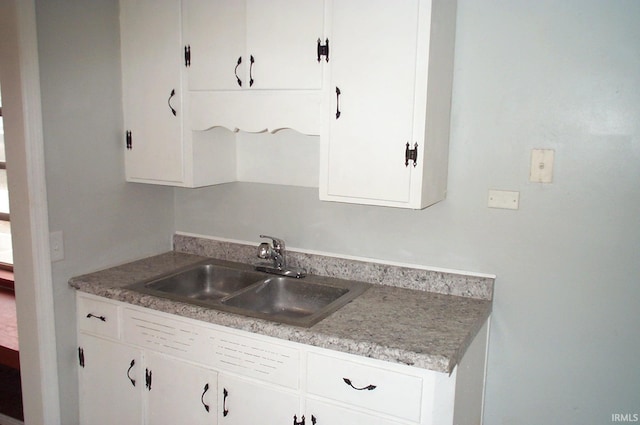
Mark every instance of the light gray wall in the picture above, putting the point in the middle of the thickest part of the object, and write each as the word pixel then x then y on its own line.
pixel 105 220
pixel 529 74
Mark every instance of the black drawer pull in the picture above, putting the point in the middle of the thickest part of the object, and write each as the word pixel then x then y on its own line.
pixel 90 315
pixel 368 387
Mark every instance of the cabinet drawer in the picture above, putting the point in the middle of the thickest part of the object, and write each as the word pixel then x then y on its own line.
pixel 367 386
pixel 98 317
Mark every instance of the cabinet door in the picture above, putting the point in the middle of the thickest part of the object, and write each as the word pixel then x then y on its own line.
pixel 243 402
pixel 330 414
pixel 253 44
pixel 180 393
pixel 111 380
pixel 215 35
pixel 151 60
pixel 373 65
pixel 282 38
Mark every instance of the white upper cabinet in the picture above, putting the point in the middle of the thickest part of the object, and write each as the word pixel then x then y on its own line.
pixel 253 65
pixel 158 147
pixel 282 36
pixel 390 84
pixel 150 38
pixel 215 40
pixel 372 78
pixel 253 44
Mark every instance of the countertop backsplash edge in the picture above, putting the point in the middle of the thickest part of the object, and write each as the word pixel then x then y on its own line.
pixel 438 281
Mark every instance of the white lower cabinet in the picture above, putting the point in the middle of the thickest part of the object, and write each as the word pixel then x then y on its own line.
pixel 244 402
pixel 117 380
pixel 323 413
pixel 179 392
pixel 111 382
pixel 373 388
pixel 139 366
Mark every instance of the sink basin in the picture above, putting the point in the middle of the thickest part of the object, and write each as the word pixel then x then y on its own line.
pixel 233 288
pixel 203 282
pixel 286 297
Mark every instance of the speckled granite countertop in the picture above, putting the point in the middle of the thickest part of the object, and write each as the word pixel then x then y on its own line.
pixel 408 326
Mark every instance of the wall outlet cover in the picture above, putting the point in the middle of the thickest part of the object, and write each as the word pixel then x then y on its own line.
pixel 505 199
pixel 56 244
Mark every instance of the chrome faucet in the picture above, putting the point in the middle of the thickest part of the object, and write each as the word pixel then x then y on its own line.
pixel 278 254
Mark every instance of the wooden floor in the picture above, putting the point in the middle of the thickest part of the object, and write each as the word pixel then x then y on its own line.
pixel 8 330
pixel 10 394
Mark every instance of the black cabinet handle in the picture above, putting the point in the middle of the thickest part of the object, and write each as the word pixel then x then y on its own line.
pixel 206 388
pixel 90 315
pixel 367 387
pixel 173 93
pixel 133 381
pixel 251 62
pixel 235 71
pixel 225 394
pixel 295 420
pixel 338 93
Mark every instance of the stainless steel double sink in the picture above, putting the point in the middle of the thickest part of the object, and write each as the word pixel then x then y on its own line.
pixel 237 288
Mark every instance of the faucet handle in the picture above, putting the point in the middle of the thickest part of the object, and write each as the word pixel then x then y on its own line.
pixel 278 244
pixel 264 251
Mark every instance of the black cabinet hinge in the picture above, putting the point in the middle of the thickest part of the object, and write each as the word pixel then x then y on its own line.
pixel 81 356
pixel 129 140
pixel 147 379
pixel 411 155
pixel 323 50
pixel 187 55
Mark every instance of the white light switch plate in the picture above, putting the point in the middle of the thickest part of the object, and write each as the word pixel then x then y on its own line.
pixel 504 199
pixel 541 165
pixel 56 243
